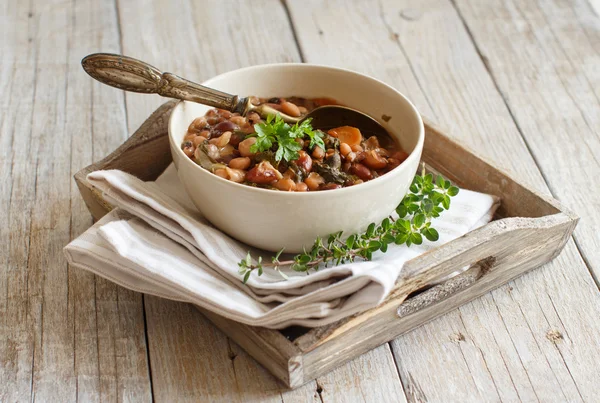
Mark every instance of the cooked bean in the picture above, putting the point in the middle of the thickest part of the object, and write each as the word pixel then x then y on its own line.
pixel 400 155
pixel 301 187
pixel 314 180
pixel 247 128
pixel 318 153
pixel 222 140
pixel 236 139
pixel 198 140
pixel 227 150
pixel 351 157
pixel 238 120
pixel 304 161
pixel 223 127
pixel 285 184
pixel 356 148
pixel 188 148
pixel 198 124
pixel 345 149
pixel 361 171
pixel 245 145
pixel 371 143
pixel 263 174
pixel 226 159
pixel 393 163
pixel 374 161
pixel 235 175
pixel 240 163
pixel 382 151
pixel 222 173
pixel 330 186
pixel 290 109
pixel 254 117
pixel 225 114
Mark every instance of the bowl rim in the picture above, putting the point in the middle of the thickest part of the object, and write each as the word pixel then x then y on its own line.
pixel 348 189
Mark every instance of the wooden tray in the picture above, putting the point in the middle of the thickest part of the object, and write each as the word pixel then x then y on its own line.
pixel 528 231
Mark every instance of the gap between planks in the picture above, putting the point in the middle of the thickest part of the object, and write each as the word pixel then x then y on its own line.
pixel 486 64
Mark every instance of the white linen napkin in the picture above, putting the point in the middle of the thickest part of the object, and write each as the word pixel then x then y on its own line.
pixel 157 242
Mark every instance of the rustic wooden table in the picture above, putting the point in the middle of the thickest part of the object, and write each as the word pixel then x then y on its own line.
pixel 518 81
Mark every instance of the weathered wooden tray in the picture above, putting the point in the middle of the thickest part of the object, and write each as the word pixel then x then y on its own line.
pixel 528 231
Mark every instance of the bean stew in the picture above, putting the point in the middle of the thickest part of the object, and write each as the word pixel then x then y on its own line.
pixel 272 154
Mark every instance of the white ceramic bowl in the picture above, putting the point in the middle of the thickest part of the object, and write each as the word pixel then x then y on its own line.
pixel 270 219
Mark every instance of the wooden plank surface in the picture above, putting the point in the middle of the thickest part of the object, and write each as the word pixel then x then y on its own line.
pixel 427 45
pixel 553 93
pixel 493 72
pixel 65 335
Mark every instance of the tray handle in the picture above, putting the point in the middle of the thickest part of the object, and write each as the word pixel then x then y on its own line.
pixel 446 289
pixel 482 249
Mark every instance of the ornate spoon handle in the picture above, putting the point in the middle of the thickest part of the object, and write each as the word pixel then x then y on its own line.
pixel 130 74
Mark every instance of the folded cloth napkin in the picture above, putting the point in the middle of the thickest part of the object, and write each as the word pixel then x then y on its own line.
pixel 157 242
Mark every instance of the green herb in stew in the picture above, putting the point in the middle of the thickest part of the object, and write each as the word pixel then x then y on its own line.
pixel 274 131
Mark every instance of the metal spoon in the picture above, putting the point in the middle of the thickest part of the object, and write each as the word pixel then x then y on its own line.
pixel 130 74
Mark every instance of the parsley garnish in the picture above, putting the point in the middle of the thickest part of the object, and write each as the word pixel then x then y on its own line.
pixel 305 129
pixel 274 131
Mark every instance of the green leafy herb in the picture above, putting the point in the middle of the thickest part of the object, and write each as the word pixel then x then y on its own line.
pixel 427 200
pixel 275 132
pixel 305 129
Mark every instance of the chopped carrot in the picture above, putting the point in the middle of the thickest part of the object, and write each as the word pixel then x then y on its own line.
pixel 347 134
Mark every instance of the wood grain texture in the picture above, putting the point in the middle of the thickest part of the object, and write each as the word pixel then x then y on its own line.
pixel 535 339
pixel 217 40
pixel 65 335
pixel 17 198
pixel 427 45
pixel 553 93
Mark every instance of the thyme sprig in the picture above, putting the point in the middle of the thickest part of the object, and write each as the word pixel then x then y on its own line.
pixel 426 200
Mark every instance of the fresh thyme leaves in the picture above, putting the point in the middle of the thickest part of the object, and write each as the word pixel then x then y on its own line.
pixel 274 131
pixel 426 200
